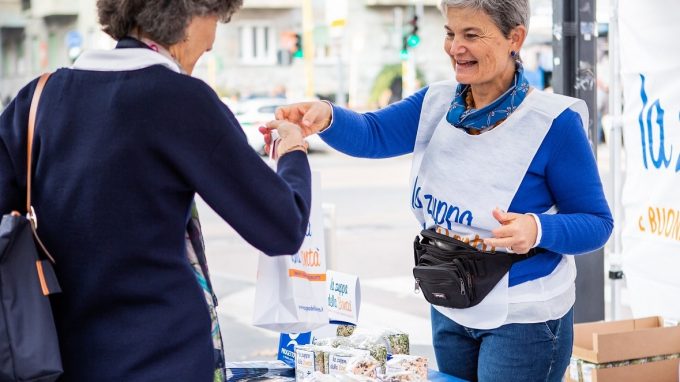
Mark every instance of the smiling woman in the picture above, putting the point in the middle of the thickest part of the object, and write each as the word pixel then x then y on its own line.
pixel 486 143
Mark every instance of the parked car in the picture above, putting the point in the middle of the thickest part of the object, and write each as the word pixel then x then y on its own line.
pixel 255 112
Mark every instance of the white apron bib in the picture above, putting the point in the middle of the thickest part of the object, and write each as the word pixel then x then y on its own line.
pixel 458 179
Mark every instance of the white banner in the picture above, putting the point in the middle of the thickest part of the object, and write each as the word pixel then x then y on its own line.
pixel 650 71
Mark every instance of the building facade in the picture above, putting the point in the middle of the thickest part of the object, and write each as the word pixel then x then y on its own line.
pixel 252 55
pixel 254 52
pixel 37 36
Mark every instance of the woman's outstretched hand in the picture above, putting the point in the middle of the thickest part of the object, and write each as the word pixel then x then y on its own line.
pixel 313 117
pixel 289 138
pixel 516 233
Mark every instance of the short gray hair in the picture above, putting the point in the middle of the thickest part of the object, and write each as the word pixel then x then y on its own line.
pixel 506 14
pixel 164 21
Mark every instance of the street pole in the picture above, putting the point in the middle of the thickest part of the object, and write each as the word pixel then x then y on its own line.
pixel 409 67
pixel 340 99
pixel 308 47
pixel 398 25
pixel 574 74
pixel 329 229
pixel 336 18
pixel 615 257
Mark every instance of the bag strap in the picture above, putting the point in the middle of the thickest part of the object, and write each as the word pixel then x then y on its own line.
pixel 31 132
pixel 32 115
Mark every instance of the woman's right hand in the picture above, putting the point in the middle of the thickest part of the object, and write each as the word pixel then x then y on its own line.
pixel 290 138
pixel 312 117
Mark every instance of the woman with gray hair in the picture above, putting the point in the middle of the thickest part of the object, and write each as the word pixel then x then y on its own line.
pixel 124 141
pixel 501 284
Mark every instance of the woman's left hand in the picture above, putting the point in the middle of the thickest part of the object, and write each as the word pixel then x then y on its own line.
pixel 516 233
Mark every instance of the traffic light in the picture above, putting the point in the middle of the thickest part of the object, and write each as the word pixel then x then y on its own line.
pixel 404 48
pixel 298 46
pixel 413 39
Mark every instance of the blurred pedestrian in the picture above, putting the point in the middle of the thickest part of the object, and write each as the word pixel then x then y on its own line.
pixel 124 141
pixel 483 144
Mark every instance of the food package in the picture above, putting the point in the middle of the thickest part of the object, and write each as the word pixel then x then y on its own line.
pixel 364 365
pixel 304 362
pixel 339 358
pixel 402 376
pixel 333 341
pixel 408 363
pixel 398 342
pixel 345 330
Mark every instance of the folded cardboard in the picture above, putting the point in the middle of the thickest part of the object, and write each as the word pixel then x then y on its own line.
pixel 602 349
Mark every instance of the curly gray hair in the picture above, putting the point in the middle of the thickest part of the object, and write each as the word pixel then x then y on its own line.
pixel 506 14
pixel 165 21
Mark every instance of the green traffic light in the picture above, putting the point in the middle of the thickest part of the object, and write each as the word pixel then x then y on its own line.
pixel 404 54
pixel 413 40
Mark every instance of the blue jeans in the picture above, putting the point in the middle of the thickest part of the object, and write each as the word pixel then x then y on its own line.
pixel 513 352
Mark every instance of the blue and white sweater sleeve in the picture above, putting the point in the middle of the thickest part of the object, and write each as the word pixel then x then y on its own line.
pixel 583 222
pixel 384 133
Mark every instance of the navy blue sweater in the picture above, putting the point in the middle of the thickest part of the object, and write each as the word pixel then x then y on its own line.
pixel 119 157
pixel 563 173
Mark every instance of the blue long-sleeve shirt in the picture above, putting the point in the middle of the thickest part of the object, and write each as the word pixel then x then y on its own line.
pixel 563 173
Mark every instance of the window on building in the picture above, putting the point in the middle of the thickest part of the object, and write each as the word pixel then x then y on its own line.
pixel 12 52
pixel 323 49
pixel 257 45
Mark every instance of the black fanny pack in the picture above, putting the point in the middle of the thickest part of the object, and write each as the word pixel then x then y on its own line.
pixel 454 274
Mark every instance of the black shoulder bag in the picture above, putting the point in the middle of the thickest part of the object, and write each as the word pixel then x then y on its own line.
pixel 454 274
pixel 29 347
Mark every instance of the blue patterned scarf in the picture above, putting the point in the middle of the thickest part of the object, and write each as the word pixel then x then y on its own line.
pixel 488 116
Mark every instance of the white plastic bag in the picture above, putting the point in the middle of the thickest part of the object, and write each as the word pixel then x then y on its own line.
pixel 290 293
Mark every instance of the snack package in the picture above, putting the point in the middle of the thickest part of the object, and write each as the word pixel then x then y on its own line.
pixel 398 341
pixel 339 358
pixel 304 362
pixel 364 365
pixel 374 343
pixel 408 363
pixel 402 376
pixel 345 330
pixel 377 350
pixel 378 343
pixel 322 356
pixel 333 341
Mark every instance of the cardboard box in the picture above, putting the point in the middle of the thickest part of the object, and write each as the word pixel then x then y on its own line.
pixel 628 350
